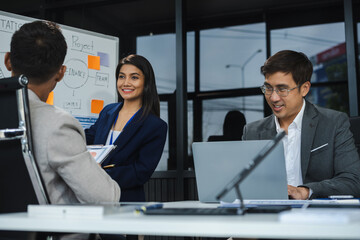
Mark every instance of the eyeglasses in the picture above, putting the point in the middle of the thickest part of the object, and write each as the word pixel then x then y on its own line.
pixel 282 92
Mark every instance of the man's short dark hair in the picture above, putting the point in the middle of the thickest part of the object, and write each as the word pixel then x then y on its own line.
pixel 37 50
pixel 287 61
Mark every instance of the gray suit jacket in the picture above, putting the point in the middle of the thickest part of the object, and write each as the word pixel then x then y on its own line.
pixel 70 173
pixel 330 170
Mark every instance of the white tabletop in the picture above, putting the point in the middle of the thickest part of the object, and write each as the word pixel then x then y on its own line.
pixel 247 226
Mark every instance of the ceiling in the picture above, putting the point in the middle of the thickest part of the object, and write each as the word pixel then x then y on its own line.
pixel 142 17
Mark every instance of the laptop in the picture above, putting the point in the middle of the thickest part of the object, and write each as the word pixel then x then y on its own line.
pixel 217 163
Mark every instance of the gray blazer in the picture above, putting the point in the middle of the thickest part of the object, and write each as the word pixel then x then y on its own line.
pixel 333 169
pixel 70 173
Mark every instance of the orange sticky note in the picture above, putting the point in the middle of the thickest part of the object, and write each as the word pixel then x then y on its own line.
pixel 50 99
pixel 96 106
pixel 94 62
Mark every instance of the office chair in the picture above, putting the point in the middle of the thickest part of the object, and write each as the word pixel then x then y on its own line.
pixel 20 181
pixel 355 129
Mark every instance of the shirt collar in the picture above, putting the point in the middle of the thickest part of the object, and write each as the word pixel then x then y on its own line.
pixel 297 121
pixel 33 95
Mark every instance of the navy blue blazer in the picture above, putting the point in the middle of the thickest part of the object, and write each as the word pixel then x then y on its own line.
pixel 138 152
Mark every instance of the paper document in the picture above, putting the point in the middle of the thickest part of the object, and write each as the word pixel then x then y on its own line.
pixel 310 216
pixel 293 203
pixel 251 203
pixel 100 152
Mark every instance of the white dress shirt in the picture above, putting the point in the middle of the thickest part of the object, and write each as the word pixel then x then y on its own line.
pixel 292 149
pixel 115 135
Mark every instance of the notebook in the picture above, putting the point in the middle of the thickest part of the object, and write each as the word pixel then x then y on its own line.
pixel 216 164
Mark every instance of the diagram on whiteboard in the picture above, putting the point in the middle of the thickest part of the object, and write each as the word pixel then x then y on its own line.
pixel 89 82
pixel 87 86
pixel 76 74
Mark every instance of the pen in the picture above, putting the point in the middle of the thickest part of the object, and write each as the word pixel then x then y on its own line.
pixel 341 196
pixel 109 166
pixel 324 145
pixel 153 206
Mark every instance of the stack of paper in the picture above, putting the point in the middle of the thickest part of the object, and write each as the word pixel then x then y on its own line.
pixel 77 211
pixel 100 152
pixel 66 211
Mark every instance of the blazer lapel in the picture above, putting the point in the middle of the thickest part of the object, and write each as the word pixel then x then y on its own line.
pixel 111 115
pixel 309 124
pixel 270 130
pixel 129 130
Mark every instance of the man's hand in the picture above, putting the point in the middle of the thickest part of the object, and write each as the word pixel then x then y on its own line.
pixel 298 193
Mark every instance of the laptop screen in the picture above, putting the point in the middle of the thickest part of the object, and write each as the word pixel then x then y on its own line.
pixel 216 164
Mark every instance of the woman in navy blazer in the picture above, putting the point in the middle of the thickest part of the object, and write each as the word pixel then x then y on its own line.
pixel 134 126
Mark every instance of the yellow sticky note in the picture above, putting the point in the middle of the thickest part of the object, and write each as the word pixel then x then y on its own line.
pixel 96 106
pixel 94 62
pixel 50 99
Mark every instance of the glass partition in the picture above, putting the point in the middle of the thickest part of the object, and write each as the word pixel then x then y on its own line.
pixel 215 111
pixel 160 51
pixel 324 44
pixel 230 57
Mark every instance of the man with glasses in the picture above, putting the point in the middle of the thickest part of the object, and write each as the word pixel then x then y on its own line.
pixel 321 158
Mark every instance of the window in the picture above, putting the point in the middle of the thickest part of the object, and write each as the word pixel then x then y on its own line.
pixel 215 111
pixel 160 51
pixel 325 46
pixel 230 58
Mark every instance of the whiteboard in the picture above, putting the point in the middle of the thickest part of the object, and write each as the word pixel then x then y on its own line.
pixel 89 82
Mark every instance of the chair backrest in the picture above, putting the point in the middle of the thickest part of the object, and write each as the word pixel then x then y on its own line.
pixel 20 181
pixel 355 129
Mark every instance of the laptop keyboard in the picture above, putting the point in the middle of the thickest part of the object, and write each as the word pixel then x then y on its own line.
pixel 192 211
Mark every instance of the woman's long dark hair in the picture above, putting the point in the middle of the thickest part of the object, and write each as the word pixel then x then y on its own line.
pixel 150 97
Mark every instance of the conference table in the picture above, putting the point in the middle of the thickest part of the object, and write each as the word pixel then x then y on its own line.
pixel 260 225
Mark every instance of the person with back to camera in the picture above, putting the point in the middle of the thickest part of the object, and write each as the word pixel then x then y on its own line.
pixel 134 126
pixel 232 128
pixel 321 158
pixel 70 173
